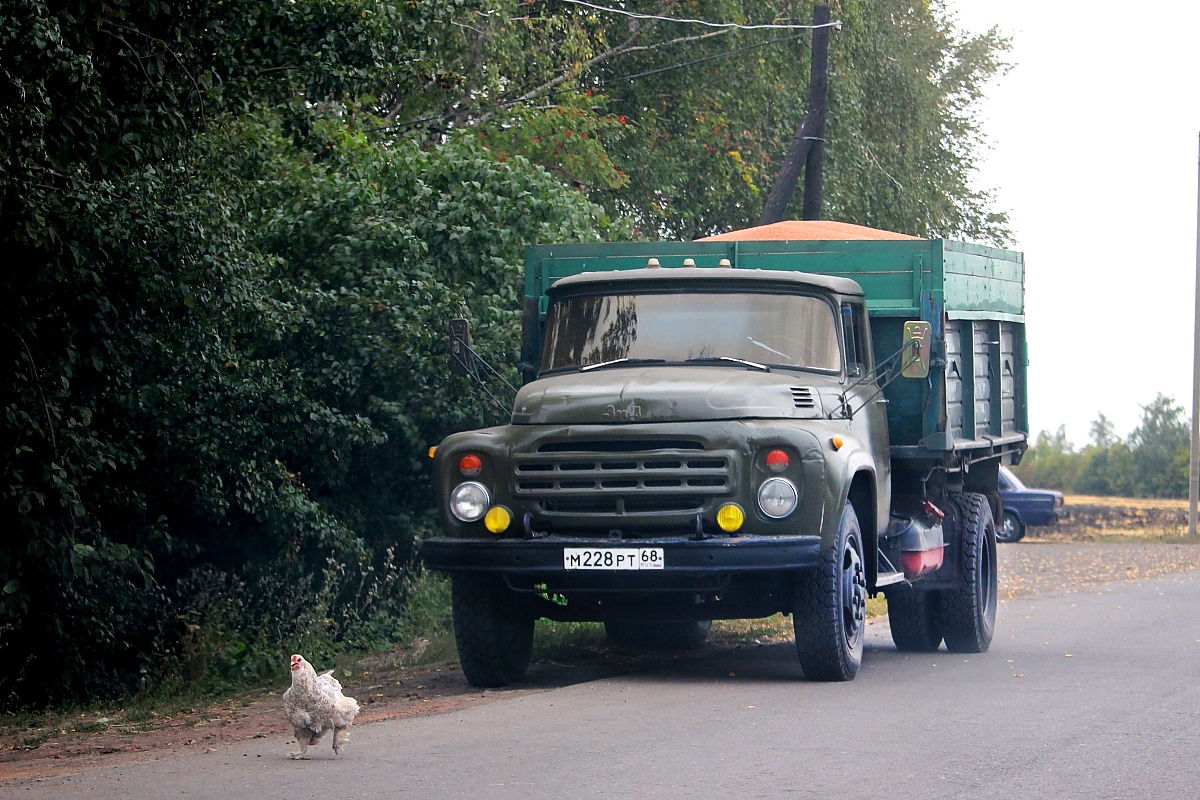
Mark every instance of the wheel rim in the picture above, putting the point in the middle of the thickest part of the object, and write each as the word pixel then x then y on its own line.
pixel 1008 528
pixel 987 578
pixel 854 594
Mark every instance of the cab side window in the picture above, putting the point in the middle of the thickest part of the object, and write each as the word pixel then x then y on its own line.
pixel 857 343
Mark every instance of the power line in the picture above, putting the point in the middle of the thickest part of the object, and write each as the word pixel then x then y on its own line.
pixel 600 84
pixel 635 15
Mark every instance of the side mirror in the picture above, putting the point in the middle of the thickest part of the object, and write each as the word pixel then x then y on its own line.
pixel 462 359
pixel 918 338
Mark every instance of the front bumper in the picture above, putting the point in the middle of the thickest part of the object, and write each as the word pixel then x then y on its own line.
pixel 682 556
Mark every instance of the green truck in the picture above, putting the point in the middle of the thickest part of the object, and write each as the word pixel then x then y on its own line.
pixel 785 419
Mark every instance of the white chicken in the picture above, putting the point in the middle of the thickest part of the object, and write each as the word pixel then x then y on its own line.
pixel 314 704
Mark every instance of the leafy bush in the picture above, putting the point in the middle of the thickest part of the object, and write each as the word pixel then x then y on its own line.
pixel 243 399
pixel 1153 461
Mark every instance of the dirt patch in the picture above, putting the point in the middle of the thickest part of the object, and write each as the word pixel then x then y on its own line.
pixel 1118 519
pixel 1032 567
pixel 91 740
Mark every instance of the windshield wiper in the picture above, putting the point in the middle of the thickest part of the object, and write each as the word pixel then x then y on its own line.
pixel 621 362
pixel 742 361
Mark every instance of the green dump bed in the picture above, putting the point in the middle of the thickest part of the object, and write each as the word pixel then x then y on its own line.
pixel 972 295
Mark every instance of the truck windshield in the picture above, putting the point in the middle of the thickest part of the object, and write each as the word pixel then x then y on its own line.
pixel 773 329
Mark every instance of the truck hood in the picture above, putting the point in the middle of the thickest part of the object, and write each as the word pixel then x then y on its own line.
pixel 666 394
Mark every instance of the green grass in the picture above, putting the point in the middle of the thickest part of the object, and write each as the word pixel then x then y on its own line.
pixel 556 641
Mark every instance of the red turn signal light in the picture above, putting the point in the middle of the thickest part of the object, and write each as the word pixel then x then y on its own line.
pixel 777 460
pixel 470 465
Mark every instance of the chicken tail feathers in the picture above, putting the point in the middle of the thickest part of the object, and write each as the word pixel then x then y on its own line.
pixel 347 709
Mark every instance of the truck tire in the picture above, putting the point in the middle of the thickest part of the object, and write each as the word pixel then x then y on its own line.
pixel 493 629
pixel 996 503
pixel 914 619
pixel 830 608
pixel 1011 529
pixel 968 610
pixel 688 635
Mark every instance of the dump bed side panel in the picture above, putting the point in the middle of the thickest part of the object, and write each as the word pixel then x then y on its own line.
pixel 892 273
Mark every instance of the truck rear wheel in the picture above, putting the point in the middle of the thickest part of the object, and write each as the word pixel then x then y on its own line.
pixel 493 629
pixel 968 611
pixel 830 609
pixel 687 635
pixel 913 617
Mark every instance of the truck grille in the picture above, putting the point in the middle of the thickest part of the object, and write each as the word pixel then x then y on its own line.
pixel 622 479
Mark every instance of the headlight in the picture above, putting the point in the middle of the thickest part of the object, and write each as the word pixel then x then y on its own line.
pixel 777 497
pixel 469 502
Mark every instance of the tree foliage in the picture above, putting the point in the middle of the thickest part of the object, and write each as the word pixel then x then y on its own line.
pixel 222 333
pixel 1152 461
pixel 705 115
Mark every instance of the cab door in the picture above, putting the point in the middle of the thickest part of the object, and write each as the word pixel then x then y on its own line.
pixel 866 400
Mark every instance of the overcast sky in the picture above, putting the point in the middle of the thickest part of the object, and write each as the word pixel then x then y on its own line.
pixel 1094 154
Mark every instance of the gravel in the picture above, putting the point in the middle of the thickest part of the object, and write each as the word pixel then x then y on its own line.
pixel 1028 568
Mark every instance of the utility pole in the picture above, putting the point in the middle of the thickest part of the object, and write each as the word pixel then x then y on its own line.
pixel 818 97
pixel 1194 476
pixel 809 134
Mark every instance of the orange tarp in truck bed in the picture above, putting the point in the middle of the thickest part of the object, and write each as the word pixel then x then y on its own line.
pixel 794 230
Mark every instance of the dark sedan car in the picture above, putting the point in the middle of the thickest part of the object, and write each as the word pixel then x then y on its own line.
pixel 1024 506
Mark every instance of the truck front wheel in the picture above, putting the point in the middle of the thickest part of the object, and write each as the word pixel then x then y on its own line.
pixel 968 610
pixel 493 629
pixel 831 607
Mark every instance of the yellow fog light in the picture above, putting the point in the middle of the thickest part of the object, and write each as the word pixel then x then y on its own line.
pixel 497 519
pixel 730 517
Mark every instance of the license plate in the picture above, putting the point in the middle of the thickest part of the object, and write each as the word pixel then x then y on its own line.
pixel 613 557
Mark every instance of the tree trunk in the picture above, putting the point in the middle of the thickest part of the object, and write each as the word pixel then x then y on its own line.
pixel 808 135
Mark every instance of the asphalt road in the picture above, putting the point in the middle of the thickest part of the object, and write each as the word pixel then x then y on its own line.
pixel 1094 694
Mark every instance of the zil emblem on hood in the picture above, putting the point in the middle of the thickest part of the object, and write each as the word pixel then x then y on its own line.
pixel 628 413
